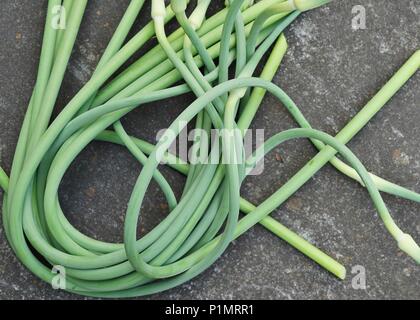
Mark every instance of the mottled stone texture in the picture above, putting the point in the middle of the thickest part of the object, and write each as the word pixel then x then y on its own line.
pixel 331 72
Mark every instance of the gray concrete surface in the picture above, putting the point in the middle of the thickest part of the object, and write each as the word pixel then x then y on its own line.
pixel 331 72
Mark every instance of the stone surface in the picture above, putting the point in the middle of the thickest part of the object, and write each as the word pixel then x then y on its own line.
pixel 331 71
